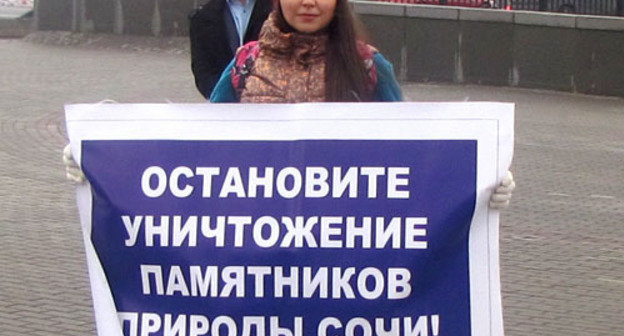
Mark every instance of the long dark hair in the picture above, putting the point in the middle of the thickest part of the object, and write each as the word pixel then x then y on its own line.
pixel 346 76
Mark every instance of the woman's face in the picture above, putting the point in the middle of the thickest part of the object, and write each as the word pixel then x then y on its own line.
pixel 308 16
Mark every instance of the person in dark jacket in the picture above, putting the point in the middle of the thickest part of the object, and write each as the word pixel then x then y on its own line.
pixel 214 36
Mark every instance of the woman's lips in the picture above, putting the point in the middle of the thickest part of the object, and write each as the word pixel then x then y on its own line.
pixel 308 17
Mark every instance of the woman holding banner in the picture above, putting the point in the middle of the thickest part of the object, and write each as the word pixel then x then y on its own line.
pixel 308 51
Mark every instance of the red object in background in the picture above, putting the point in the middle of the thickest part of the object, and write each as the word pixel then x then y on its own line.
pixel 464 3
pixel 461 3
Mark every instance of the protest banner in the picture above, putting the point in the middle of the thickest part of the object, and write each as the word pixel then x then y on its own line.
pixel 292 220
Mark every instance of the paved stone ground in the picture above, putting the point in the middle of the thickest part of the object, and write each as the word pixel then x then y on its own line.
pixel 562 240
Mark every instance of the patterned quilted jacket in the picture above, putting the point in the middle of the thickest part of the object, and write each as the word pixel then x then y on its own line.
pixel 285 67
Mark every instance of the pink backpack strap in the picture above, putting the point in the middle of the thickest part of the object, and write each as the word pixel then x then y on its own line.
pixel 367 52
pixel 244 61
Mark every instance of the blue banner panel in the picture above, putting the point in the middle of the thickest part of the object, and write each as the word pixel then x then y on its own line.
pixel 311 228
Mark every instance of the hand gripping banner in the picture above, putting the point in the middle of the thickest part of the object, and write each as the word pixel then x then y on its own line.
pixel 292 220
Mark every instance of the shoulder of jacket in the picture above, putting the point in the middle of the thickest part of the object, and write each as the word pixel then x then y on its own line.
pixel 207 10
pixel 193 13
